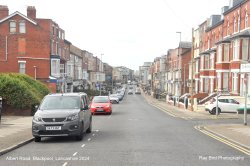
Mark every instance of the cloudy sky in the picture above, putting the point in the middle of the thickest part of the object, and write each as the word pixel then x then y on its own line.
pixel 126 32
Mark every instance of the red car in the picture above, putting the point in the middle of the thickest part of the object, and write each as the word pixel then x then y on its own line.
pixel 101 104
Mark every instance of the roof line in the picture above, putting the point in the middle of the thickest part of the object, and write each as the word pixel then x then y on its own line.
pixel 20 14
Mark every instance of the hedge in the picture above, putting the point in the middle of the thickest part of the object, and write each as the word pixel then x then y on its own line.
pixel 21 91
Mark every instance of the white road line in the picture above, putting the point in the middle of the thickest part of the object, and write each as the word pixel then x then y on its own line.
pixel 97 130
pixel 75 154
pixel 89 139
pixel 93 134
pixel 65 164
pixel 83 145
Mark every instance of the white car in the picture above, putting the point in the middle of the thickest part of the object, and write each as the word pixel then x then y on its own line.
pixel 114 98
pixel 225 104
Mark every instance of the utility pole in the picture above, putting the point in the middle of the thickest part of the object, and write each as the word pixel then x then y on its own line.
pixel 192 57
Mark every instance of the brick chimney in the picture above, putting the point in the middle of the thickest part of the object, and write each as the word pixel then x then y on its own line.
pixel 31 12
pixel 4 11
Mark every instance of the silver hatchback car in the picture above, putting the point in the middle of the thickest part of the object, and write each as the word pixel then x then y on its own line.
pixel 66 114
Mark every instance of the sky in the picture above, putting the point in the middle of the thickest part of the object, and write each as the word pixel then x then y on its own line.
pixel 125 32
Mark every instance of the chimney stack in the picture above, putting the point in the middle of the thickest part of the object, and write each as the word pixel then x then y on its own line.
pixel 31 12
pixel 4 11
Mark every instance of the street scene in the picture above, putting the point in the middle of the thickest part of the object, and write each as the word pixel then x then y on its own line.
pixel 112 82
pixel 138 133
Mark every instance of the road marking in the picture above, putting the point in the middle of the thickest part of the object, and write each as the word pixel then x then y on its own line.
pixel 65 164
pixel 97 130
pixel 83 145
pixel 89 139
pixel 75 154
pixel 165 111
pixel 233 145
pixel 93 134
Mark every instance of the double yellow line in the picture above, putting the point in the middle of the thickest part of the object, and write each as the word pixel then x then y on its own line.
pixel 223 140
pixel 162 109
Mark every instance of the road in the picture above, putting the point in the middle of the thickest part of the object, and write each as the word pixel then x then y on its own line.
pixel 135 134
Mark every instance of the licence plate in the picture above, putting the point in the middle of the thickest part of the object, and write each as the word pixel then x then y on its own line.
pixel 53 128
pixel 99 110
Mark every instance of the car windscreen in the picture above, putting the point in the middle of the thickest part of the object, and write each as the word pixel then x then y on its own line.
pixel 60 102
pixel 100 100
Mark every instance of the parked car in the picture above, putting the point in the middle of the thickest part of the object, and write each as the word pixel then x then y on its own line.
pixel 114 98
pixel 130 92
pixel 225 104
pixel 138 91
pixel 101 104
pixel 64 114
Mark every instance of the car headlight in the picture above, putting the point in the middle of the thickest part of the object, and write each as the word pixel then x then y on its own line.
pixel 72 117
pixel 37 118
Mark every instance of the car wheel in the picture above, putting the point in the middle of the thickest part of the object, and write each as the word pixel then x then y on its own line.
pixel 80 136
pixel 89 130
pixel 213 112
pixel 37 139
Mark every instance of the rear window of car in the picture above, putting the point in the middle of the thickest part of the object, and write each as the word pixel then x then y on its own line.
pixel 100 100
pixel 60 102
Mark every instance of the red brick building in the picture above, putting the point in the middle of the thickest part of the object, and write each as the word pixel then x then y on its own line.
pixel 223 48
pixel 32 46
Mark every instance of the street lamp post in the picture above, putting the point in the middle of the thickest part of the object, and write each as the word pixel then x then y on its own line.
pixel 179 68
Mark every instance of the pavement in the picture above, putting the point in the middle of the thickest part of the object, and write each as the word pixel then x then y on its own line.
pixel 15 131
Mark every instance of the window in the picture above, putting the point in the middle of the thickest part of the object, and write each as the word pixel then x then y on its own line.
pixel 70 71
pixel 234 24
pixel 22 66
pixel 211 61
pixel 201 85
pixel 206 84
pixel 206 62
pixel 22 28
pixel 12 27
pixel 238 23
pixel 61 68
pixel 197 66
pixel 219 81
pixel 55 67
pixel 226 52
pixel 245 49
pixel 236 45
pixel 211 85
pixel 76 58
pixel 219 57
pixel 225 81
pixel 202 62
pixel 235 82
pixel 246 19
pixel 59 51
pixel 56 48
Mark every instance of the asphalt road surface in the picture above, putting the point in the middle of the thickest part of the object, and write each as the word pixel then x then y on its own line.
pixel 135 134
